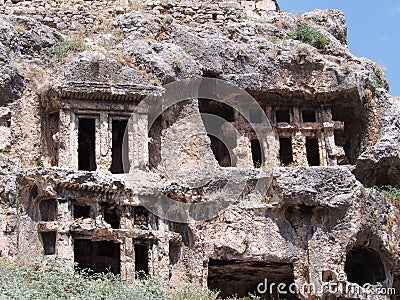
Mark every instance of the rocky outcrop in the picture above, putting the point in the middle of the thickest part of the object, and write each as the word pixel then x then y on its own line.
pixel 11 83
pixel 380 164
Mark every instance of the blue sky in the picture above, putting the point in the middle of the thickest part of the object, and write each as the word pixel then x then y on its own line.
pixel 373 30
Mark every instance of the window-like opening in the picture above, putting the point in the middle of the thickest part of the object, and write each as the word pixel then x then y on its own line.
pixel 140 216
pixel 111 215
pixel 174 253
pixel 217 108
pixel 282 115
pixel 364 266
pixel 308 116
pixel 183 230
pixel 87 144
pixel 120 152
pixel 285 150
pixel 48 210
pixel 234 277
pixel 33 192
pixel 81 211
pixel 99 256
pixel 312 149
pixel 220 151
pixel 141 259
pixel 49 242
pixel 257 153
pixel 255 115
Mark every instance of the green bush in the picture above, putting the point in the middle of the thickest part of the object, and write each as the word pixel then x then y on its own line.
pixel 389 191
pixel 49 280
pixel 39 162
pixel 307 34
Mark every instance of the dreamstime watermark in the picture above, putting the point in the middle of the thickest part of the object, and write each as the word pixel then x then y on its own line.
pixel 341 286
pixel 207 89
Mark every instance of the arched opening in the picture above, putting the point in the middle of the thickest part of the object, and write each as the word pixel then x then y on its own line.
pixel 364 266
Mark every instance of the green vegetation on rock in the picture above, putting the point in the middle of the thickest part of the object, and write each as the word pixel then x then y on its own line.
pixel 307 34
pixel 389 191
pixel 63 47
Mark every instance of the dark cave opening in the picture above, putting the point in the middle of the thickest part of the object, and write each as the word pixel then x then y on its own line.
pixel 312 150
pixel 81 211
pixel 308 116
pixel 364 266
pixel 141 259
pixel 48 209
pixel 217 108
pixel 49 242
pixel 99 256
pixel 119 152
pixel 354 130
pixel 257 153
pixel 220 151
pixel 285 151
pixel 111 215
pixel 235 277
pixel 282 115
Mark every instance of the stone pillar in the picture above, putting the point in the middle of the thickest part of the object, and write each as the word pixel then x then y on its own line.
pixel 64 243
pixel 126 246
pixel 161 258
pixel 333 152
pixel 323 157
pixel 103 143
pixel 270 146
pixel 138 140
pixel 296 118
pixel 242 152
pixel 299 149
pixel 68 139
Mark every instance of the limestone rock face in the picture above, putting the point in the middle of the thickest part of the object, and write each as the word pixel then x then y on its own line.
pixel 103 148
pixel 11 83
pixel 380 164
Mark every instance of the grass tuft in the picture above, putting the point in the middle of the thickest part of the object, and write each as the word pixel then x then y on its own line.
pixel 390 192
pixel 66 46
pixel 307 34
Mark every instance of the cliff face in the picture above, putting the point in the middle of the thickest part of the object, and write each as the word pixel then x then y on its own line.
pixel 75 75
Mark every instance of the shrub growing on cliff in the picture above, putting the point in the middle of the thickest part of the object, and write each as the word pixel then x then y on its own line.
pixel 390 192
pixel 307 34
